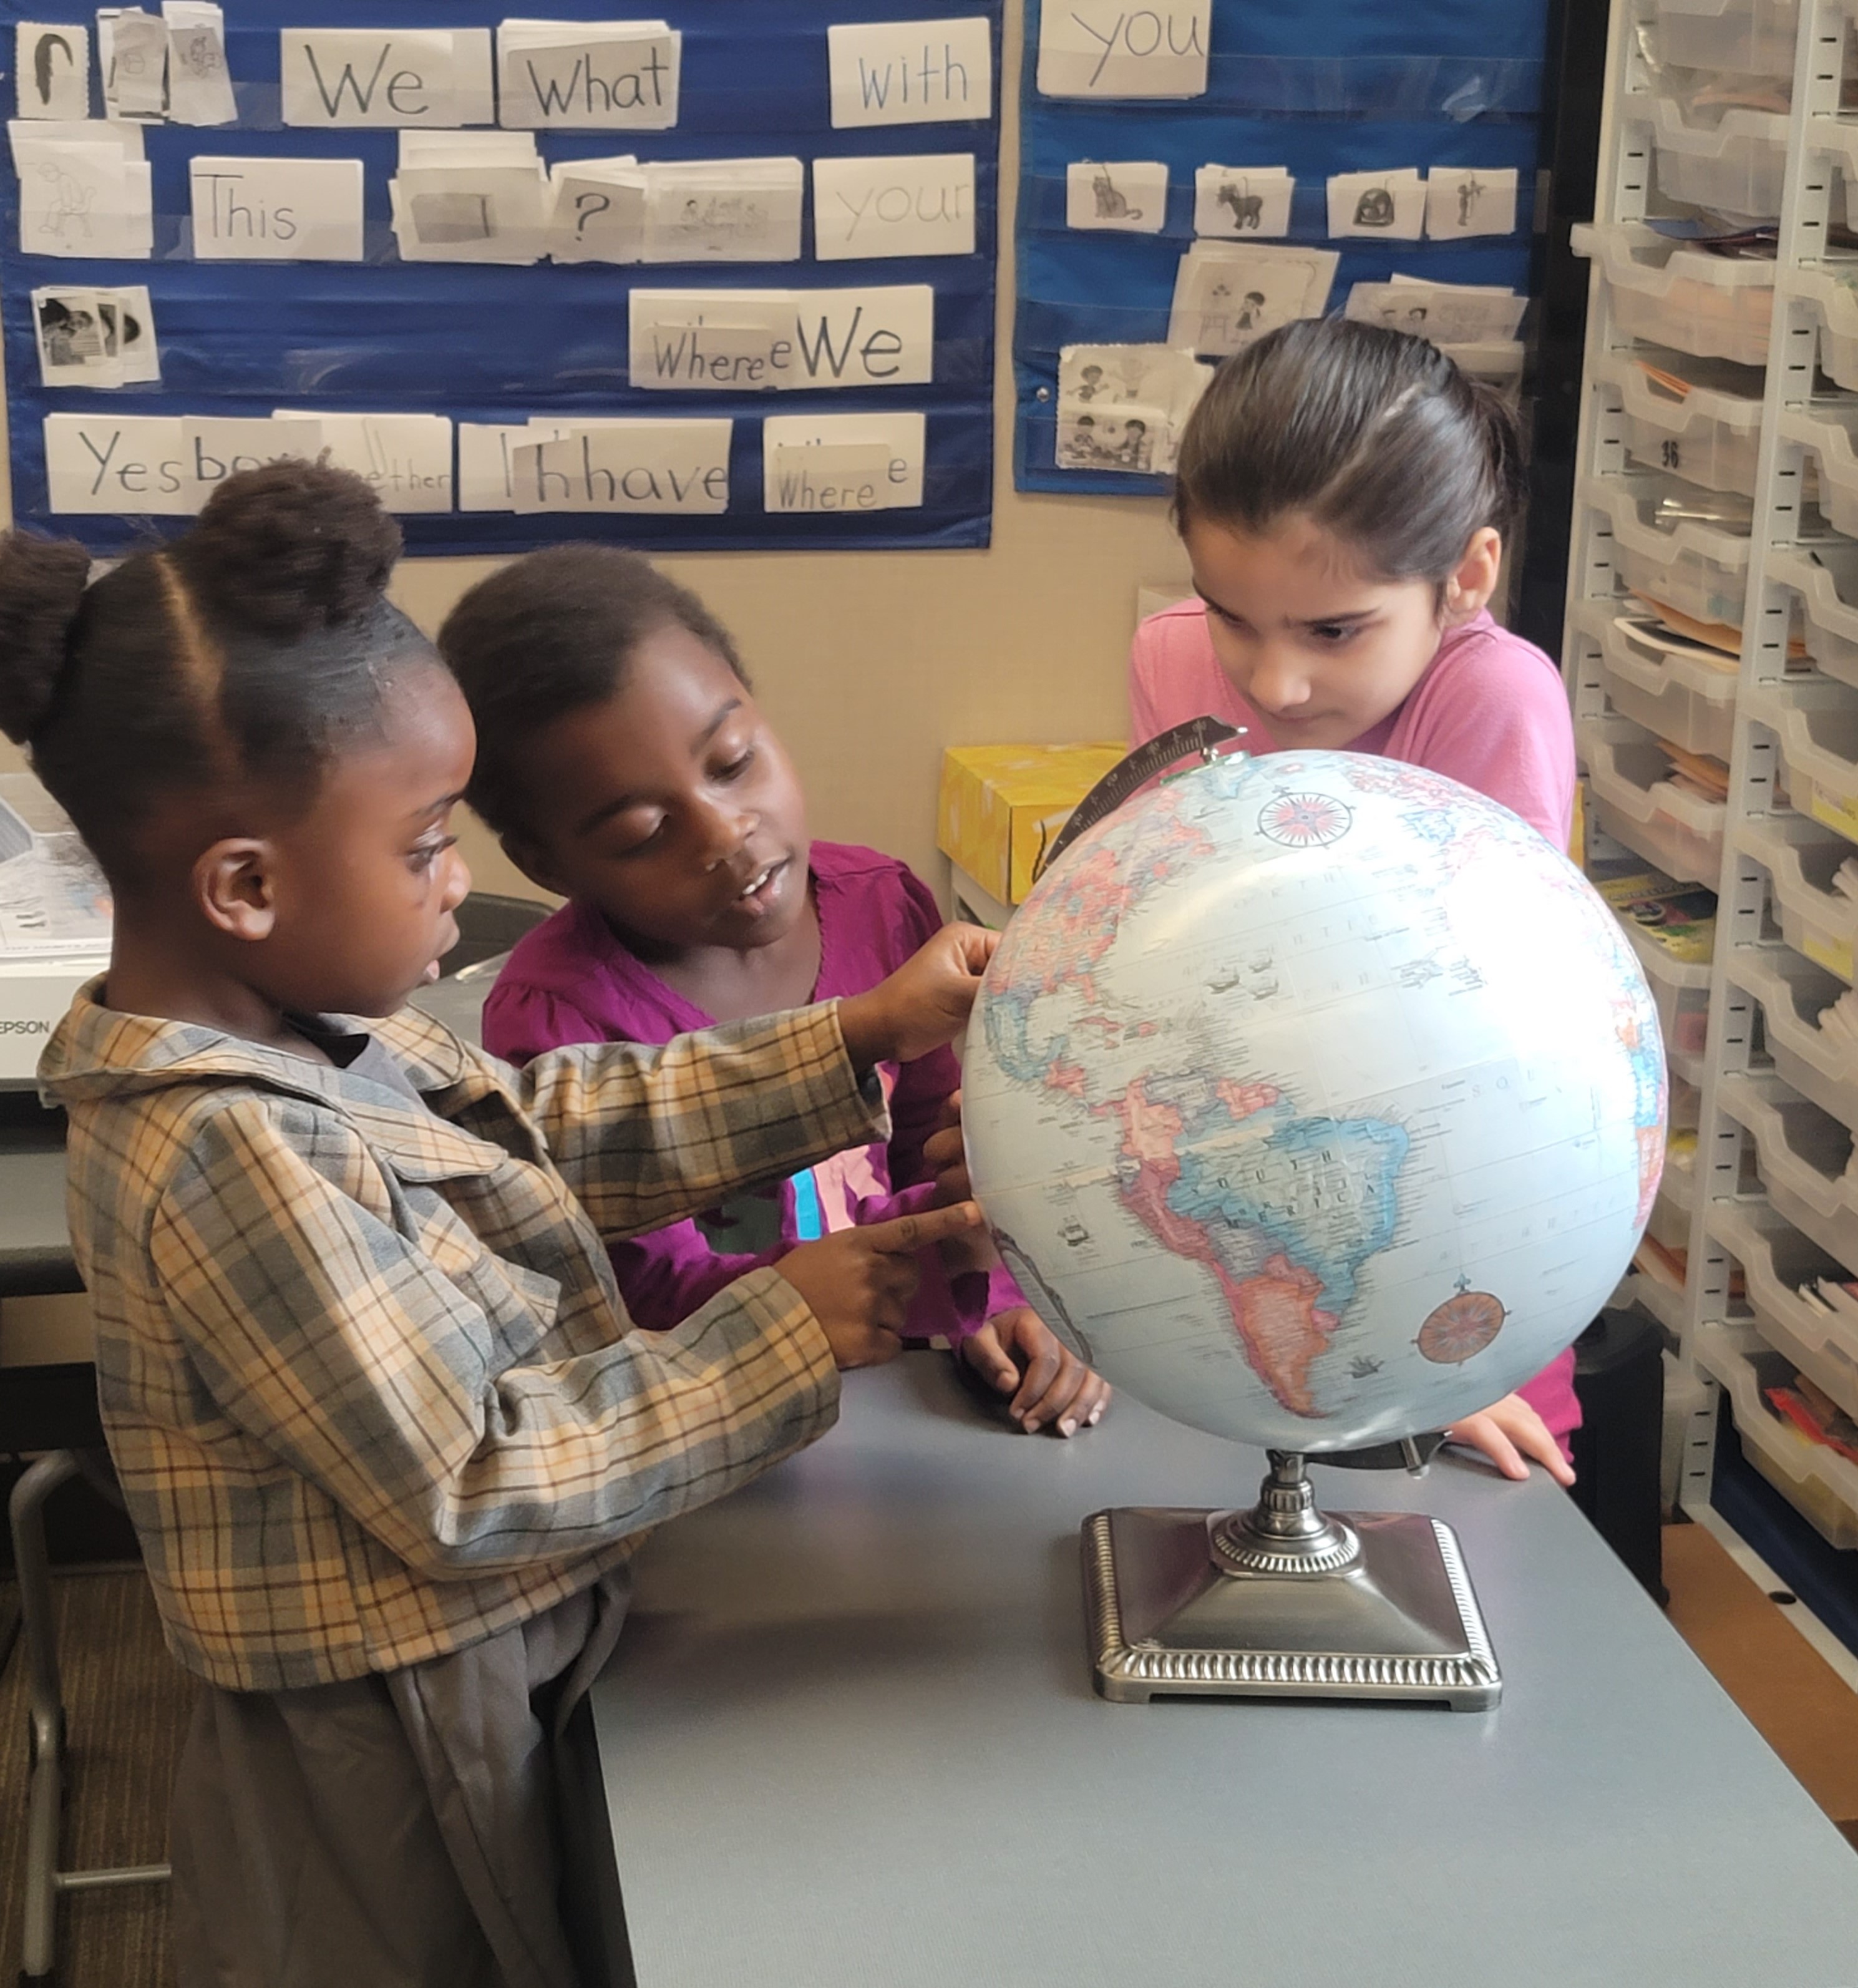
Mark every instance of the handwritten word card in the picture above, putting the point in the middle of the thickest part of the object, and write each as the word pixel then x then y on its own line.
pixel 722 340
pixel 842 462
pixel 276 209
pixel 1105 48
pixel 902 205
pixel 596 210
pixel 588 76
pixel 624 465
pixel 911 71
pixel 353 78
pixel 469 197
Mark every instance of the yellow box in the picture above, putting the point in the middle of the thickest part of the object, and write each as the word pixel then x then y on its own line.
pixel 1001 805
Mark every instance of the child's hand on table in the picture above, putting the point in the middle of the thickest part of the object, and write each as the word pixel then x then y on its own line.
pixel 1508 1432
pixel 923 1004
pixel 1017 1353
pixel 858 1282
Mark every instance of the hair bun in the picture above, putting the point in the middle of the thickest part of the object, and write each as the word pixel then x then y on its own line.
pixel 290 548
pixel 42 588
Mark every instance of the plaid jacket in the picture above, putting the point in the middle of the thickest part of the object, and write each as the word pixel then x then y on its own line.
pixel 368 1384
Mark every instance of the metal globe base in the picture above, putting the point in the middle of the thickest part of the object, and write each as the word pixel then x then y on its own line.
pixel 1282 1600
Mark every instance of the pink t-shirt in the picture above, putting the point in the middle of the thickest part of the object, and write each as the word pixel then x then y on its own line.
pixel 1490 711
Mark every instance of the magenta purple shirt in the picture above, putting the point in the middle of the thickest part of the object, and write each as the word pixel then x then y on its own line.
pixel 1491 711
pixel 570 980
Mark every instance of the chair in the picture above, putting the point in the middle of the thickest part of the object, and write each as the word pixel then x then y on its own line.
pixel 46 1710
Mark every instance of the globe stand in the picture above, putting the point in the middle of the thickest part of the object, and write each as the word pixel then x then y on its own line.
pixel 1283 1601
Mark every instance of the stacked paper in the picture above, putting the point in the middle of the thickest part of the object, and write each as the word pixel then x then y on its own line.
pixel 84 189
pixel 469 197
pixel 93 337
pixel 1228 294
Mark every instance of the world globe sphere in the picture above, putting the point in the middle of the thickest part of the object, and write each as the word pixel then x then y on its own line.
pixel 1315 1099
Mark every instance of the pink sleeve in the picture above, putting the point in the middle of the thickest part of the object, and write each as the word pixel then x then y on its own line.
pixel 1507 733
pixel 1552 1395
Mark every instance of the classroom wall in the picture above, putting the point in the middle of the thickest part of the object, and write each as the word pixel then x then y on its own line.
pixel 869 663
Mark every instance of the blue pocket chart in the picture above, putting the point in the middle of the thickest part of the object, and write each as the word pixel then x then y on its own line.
pixel 1320 88
pixel 724 281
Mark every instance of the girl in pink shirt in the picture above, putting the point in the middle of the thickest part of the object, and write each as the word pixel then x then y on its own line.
pixel 1341 492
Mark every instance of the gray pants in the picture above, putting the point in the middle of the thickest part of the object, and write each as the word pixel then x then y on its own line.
pixel 399 1831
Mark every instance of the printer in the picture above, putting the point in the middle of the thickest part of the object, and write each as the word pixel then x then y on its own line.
pixel 54 923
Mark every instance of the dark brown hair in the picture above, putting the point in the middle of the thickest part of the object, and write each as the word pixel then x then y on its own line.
pixel 247 652
pixel 1373 435
pixel 551 633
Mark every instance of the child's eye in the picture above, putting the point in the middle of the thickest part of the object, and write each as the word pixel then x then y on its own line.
pixel 429 852
pixel 1332 634
pixel 733 769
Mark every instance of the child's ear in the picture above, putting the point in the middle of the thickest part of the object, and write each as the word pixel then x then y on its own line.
pixel 233 888
pixel 1468 590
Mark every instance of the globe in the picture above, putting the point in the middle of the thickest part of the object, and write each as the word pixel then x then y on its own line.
pixel 1315 1099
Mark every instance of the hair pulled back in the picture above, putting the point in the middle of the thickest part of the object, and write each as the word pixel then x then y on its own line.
pixel 244 654
pixel 552 632
pixel 1375 436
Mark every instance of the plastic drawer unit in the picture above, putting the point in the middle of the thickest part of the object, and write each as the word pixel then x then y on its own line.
pixel 1801 860
pixel 1803 1155
pixel 1668 689
pixel 1832 291
pixel 1818 1481
pixel 1794 992
pixel 1825 579
pixel 1684 298
pixel 1745 37
pixel 1700 569
pixel 1709 434
pixel 1827 432
pixel 1733 163
pixel 1635 803
pixel 1681 988
pixel 1815 723
pixel 1776 1260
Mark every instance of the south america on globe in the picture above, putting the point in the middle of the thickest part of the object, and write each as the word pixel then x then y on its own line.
pixel 1316 1099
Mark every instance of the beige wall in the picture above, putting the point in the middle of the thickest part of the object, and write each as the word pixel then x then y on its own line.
pixel 870 663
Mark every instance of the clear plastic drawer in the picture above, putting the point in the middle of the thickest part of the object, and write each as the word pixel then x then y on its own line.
pixel 1733 163
pixel 1686 297
pixel 1670 691
pixel 1700 569
pixel 1633 801
pixel 1815 723
pixel 1745 37
pixel 1801 860
pixel 1776 1260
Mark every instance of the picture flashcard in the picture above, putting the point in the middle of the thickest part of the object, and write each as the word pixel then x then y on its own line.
pixel 1464 201
pixel 199 83
pixel 1390 204
pixel 1242 203
pixel 1130 195
pixel 51 68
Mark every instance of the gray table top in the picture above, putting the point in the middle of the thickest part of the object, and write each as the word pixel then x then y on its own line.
pixel 850 1737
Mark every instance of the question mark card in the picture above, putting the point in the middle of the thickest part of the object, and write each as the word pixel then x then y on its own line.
pixel 598 211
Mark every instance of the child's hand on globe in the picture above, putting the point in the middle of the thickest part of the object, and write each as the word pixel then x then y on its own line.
pixel 1017 1353
pixel 1509 1432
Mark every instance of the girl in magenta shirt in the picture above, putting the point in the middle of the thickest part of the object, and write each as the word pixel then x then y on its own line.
pixel 622 759
pixel 1341 492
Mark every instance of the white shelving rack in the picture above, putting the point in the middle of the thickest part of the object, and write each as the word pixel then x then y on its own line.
pixel 1770 351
